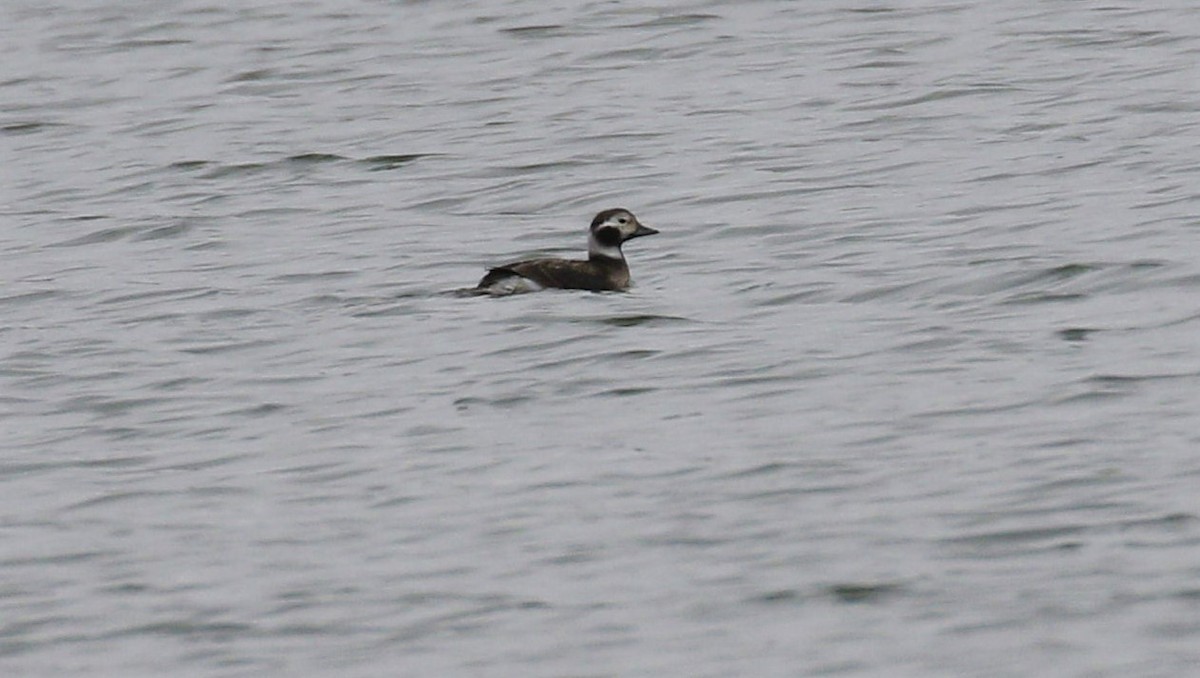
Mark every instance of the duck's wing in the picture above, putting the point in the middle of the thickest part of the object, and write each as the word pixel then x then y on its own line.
pixel 520 276
pixel 544 273
pixel 572 275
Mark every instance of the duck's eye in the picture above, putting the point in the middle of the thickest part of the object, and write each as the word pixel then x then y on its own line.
pixel 622 220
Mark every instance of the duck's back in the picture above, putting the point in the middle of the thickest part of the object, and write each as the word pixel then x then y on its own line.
pixel 596 274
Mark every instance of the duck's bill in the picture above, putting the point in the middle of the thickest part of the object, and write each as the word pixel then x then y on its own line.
pixel 642 230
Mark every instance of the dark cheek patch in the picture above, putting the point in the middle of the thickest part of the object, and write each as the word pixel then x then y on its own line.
pixel 608 236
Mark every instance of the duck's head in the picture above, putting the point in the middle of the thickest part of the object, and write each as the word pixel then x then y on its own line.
pixel 610 229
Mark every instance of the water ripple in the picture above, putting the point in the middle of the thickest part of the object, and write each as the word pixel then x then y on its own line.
pixel 913 356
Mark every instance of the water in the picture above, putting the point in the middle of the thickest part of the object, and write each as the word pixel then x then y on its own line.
pixel 907 387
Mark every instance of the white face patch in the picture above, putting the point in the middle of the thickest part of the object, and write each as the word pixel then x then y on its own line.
pixel 623 222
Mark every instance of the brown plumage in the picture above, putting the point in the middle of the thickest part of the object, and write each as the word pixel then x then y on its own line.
pixel 597 274
pixel 604 269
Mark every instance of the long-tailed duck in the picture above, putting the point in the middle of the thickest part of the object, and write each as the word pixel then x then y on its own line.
pixel 604 270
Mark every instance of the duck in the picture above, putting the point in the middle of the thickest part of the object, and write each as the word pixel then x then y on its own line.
pixel 604 270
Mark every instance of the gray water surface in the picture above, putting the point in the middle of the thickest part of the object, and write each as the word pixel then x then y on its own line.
pixel 909 384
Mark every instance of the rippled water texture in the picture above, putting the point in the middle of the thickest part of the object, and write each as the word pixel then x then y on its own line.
pixel 909 385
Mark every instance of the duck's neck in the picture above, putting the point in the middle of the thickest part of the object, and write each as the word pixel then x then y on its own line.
pixel 602 253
